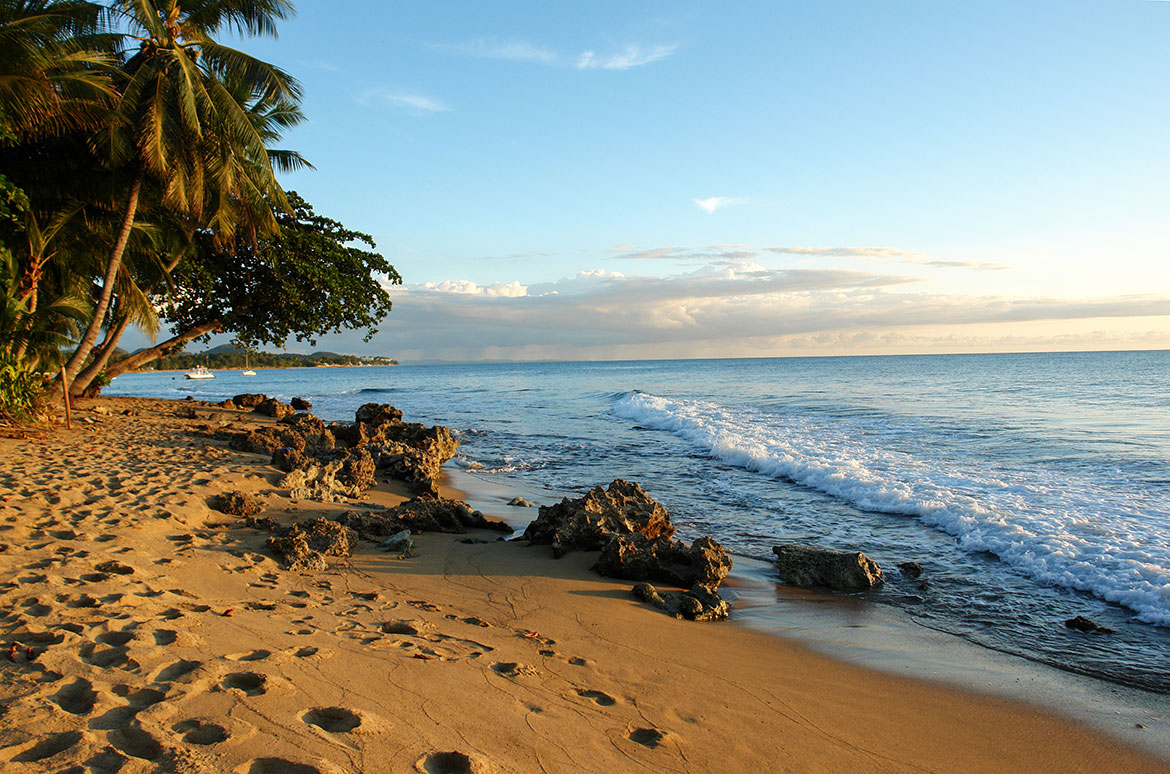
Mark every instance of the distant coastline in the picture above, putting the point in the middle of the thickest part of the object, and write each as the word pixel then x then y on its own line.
pixel 228 358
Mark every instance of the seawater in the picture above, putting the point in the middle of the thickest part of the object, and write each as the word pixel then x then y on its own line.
pixel 1030 487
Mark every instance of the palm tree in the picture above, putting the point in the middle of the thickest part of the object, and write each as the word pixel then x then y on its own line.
pixel 177 115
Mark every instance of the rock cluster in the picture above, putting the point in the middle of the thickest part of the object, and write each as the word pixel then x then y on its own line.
pixel 419 514
pixel 634 534
pixel 588 523
pixel 807 566
pixel 304 545
pixel 336 461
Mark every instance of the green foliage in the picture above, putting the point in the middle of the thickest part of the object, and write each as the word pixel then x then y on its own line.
pixel 21 389
pixel 185 361
pixel 309 280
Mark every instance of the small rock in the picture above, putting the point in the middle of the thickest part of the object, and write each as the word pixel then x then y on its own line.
pixel 400 542
pixel 588 523
pixel 237 504
pixel 1082 624
pixel 910 569
pixel 698 604
pixel 300 404
pixel 249 400
pixel 520 502
pixel 806 566
pixel 115 568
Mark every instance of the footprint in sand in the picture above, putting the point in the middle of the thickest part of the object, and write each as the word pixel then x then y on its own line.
pixel 449 763
pixel 54 744
pixel 252 655
pixel 602 699
pixel 77 698
pixel 201 732
pixel 177 670
pixel 335 720
pixel 647 737
pixel 276 766
pixel 250 683
pixel 136 743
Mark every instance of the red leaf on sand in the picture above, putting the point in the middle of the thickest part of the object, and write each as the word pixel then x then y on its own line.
pixel 424 657
pixel 531 635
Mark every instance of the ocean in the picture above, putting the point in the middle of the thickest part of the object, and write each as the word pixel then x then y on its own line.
pixel 1031 488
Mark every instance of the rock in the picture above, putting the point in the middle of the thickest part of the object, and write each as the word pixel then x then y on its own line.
pixel 520 502
pixel 237 504
pixel 304 545
pixel 289 459
pixel 698 604
pixel 249 400
pixel 273 408
pixel 267 440
pixel 419 514
pixel 412 453
pixel 1082 624
pixel 115 568
pixel 377 414
pixel 635 557
pixel 262 523
pixel 587 523
pixel 806 566
pixel 318 438
pixel 300 404
pixel 227 404
pixel 910 569
pixel 357 469
pixel 400 543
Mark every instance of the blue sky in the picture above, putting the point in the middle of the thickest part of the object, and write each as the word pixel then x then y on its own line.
pixel 668 179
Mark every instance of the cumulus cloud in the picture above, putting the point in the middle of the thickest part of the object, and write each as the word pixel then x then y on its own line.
pixel 467 288
pixel 412 103
pixel 714 203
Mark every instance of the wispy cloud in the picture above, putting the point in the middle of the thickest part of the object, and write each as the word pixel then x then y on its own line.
pixel 507 50
pixel 715 203
pixel 625 58
pixel 846 252
pixel 416 104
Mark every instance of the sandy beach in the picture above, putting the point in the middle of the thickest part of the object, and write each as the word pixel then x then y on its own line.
pixel 145 631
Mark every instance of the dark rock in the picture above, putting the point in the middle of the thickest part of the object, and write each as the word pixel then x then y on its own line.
pixel 300 404
pixel 115 568
pixel 1082 624
pixel 412 453
pixel 910 569
pixel 318 438
pixel 419 514
pixel 289 459
pixel 520 502
pixel 249 399
pixel 267 440
pixel 806 566
pixel 588 523
pixel 273 408
pixel 377 414
pixel 227 404
pixel 304 545
pixel 237 504
pixel 357 469
pixel 635 557
pixel 698 604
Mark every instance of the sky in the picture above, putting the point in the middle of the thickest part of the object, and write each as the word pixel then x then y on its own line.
pixel 637 179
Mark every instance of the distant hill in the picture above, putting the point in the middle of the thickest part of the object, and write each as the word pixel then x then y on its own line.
pixel 228 356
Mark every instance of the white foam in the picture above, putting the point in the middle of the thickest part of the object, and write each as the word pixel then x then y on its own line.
pixel 1055 527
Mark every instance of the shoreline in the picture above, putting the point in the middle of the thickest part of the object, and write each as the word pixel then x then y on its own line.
pixel 886 639
pixel 408 656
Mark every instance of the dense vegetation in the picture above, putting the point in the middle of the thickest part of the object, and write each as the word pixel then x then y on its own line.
pixel 185 361
pixel 138 189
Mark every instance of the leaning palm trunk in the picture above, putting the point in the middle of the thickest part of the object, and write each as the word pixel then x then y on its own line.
pixel 145 356
pixel 73 367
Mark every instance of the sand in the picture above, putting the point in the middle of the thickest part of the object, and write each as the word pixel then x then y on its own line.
pixel 165 638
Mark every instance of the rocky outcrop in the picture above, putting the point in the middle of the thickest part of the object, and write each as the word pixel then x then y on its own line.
pixel 636 557
pixel 698 604
pixel 267 440
pixel 806 566
pixel 420 514
pixel 300 404
pixel 588 523
pixel 304 545
pixel 237 504
pixel 273 408
pixel 1082 624
pixel 412 453
pixel 375 414
pixel 289 459
pixel 249 400
pixel 318 437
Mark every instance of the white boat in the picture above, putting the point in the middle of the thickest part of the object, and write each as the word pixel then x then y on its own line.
pixel 247 372
pixel 200 373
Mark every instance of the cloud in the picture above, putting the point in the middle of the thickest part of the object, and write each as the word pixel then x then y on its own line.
pixel 507 50
pixel 627 58
pixel 714 203
pixel 977 265
pixel 467 288
pixel 412 103
pixel 654 253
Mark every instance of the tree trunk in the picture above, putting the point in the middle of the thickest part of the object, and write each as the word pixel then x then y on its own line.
pixel 73 367
pixel 158 350
pixel 106 349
